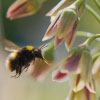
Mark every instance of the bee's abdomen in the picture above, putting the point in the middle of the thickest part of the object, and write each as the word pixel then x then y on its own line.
pixel 21 59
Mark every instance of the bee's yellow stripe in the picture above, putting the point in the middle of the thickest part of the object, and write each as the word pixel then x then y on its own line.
pixel 14 55
pixel 9 66
pixel 30 48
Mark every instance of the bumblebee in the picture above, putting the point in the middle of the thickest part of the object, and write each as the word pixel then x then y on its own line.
pixel 20 58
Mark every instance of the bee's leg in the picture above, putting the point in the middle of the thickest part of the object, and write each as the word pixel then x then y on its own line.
pixel 17 76
pixel 26 67
pixel 19 71
pixel 33 60
pixel 16 73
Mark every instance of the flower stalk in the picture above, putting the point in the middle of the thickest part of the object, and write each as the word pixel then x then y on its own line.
pixel 91 39
pixel 97 3
pixel 93 12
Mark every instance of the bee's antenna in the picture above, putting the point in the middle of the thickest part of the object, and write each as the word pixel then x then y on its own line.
pixel 43 46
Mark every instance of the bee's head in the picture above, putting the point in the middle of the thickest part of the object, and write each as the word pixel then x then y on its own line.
pixel 38 53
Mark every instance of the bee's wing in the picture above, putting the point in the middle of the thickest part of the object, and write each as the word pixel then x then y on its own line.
pixel 8 45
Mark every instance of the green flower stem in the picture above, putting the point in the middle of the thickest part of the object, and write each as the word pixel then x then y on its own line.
pixel 97 3
pixel 93 12
pixel 86 35
pixel 91 39
pixel 79 2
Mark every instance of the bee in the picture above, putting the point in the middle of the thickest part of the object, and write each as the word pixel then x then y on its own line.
pixel 20 58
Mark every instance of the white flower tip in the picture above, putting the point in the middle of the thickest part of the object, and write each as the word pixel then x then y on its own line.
pixel 45 38
pixel 47 14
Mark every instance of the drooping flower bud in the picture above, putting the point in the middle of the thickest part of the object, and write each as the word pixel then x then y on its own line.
pixel 64 26
pixel 23 8
pixel 86 65
pixel 78 60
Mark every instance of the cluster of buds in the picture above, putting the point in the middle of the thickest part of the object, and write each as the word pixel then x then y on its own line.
pixel 82 68
pixel 65 22
pixel 79 66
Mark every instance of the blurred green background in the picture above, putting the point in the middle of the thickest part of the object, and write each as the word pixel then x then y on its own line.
pixel 30 31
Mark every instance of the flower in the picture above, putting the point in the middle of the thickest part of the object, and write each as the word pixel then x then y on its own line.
pixel 23 8
pixel 81 90
pixel 83 94
pixel 78 60
pixel 64 25
pixel 40 68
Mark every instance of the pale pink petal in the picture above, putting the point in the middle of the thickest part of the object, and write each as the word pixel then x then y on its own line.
pixel 52 29
pixel 71 63
pixel 90 86
pixel 39 69
pixel 70 38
